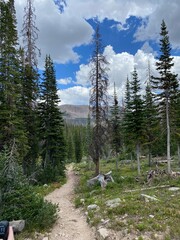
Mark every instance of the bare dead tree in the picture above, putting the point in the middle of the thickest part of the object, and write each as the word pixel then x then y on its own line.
pixel 30 35
pixel 30 84
pixel 98 98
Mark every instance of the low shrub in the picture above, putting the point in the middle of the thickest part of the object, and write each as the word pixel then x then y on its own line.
pixel 23 203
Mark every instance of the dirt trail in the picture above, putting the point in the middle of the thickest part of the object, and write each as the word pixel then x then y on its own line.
pixel 71 224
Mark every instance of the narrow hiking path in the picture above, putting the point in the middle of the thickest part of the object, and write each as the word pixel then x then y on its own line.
pixel 71 224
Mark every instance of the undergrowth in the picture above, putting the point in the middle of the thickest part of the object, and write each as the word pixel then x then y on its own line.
pixel 134 213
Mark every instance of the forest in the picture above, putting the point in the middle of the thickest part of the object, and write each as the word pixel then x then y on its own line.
pixel 35 141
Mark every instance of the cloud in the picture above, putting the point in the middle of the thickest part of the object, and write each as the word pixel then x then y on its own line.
pixel 64 81
pixel 82 76
pixel 121 66
pixel 77 95
pixel 113 9
pixel 150 29
pixel 58 33
pixel 148 49
pixel 121 27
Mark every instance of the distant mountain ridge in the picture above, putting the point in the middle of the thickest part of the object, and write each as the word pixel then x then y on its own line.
pixel 78 114
pixel 75 114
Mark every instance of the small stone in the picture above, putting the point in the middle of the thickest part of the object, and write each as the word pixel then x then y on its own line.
pixel 151 216
pixel 82 200
pixel 102 233
pixel 113 203
pixel 92 207
pixel 109 203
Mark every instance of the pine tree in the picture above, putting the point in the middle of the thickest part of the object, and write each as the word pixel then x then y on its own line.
pixel 11 122
pixel 127 138
pixel 175 129
pixel 98 99
pixel 127 111
pixel 166 84
pixel 115 122
pixel 78 146
pixel 69 142
pixel 53 149
pixel 151 121
pixel 133 117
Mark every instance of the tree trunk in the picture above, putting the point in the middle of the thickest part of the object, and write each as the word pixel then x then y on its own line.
pixel 179 153
pixel 97 167
pixel 168 137
pixel 131 161
pixel 138 157
pixel 150 157
pixel 117 162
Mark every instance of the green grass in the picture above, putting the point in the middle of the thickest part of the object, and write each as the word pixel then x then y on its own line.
pixel 134 212
pixel 44 190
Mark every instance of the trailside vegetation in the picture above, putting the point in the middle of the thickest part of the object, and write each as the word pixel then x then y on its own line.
pixel 21 145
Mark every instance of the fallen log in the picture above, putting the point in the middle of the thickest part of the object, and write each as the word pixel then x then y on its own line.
pixel 148 188
pixel 103 179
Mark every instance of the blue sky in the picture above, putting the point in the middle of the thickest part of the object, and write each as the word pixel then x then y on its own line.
pixel 130 31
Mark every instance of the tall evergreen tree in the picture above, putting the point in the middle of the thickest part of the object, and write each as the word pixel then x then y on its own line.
pixel 69 143
pixel 98 99
pixel 78 146
pixel 11 122
pixel 127 138
pixel 176 123
pixel 53 149
pixel 115 123
pixel 166 84
pixel 151 121
pixel 133 120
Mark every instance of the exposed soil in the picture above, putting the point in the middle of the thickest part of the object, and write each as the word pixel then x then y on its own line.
pixel 71 224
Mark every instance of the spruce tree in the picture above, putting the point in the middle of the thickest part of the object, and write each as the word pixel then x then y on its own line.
pixel 115 126
pixel 133 120
pixel 11 122
pixel 53 149
pixel 69 142
pixel 78 146
pixel 98 99
pixel 175 129
pixel 127 138
pixel 151 121
pixel 166 84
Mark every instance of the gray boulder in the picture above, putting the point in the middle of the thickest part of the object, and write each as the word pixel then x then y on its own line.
pixel 18 225
pixel 113 203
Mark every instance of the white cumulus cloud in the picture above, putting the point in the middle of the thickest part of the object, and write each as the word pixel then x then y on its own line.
pixel 64 81
pixel 121 65
pixel 77 95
